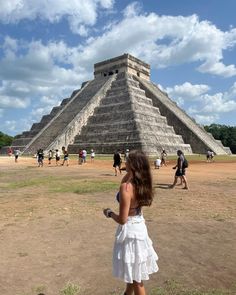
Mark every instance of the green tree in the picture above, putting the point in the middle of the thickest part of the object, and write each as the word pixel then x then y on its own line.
pixel 227 134
pixel 5 139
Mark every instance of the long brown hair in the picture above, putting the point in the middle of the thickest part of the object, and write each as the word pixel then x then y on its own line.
pixel 141 177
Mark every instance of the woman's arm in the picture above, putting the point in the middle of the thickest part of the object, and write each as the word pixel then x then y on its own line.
pixel 126 191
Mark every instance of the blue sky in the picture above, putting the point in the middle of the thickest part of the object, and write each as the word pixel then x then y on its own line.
pixel 48 50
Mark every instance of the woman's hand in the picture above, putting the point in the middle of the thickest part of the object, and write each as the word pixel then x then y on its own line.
pixel 107 212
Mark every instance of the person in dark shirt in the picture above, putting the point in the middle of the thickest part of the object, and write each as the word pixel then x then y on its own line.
pixel 66 156
pixel 40 155
pixel 181 170
pixel 117 162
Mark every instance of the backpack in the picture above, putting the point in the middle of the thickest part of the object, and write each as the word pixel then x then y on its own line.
pixel 185 163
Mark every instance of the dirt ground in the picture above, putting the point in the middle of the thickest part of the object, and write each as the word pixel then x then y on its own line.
pixel 49 239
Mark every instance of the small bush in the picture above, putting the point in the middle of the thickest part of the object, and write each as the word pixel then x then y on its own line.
pixel 70 289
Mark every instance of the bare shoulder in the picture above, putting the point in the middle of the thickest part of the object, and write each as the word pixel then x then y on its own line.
pixel 126 186
pixel 127 190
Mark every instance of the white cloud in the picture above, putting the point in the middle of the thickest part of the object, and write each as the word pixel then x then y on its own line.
pixel 11 125
pixel 163 41
pixel 187 91
pixel 206 119
pixel 218 68
pixel 218 103
pixel 77 12
pixel 39 112
pixel 49 100
pixel 10 44
pixel 132 9
pixel 205 108
pixel 44 71
pixel 231 94
pixel 16 126
pixel 12 102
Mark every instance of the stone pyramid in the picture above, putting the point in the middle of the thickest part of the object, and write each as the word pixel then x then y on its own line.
pixel 119 109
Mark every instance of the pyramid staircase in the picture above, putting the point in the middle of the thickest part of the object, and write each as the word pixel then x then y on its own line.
pixel 126 118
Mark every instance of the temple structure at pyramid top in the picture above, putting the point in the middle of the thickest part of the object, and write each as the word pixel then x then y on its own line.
pixel 119 109
pixel 125 63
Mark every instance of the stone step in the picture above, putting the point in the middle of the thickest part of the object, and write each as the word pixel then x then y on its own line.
pixel 124 115
pixel 123 106
pixel 125 90
pixel 128 125
pixel 130 136
pixel 122 83
pixel 124 98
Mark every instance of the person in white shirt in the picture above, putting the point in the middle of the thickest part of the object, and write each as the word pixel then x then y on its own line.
pixel 92 155
pixel 157 163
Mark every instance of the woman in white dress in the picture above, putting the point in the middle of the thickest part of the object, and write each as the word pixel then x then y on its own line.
pixel 134 258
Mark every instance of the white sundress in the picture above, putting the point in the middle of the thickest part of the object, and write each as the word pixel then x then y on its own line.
pixel 134 258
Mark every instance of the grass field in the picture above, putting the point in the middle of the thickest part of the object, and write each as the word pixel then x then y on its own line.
pixel 54 238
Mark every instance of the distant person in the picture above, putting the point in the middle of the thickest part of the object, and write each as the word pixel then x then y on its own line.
pixel 163 158
pixel 50 155
pixel 9 151
pixel 92 156
pixel 16 154
pixel 157 163
pixel 126 154
pixel 65 156
pixel 40 157
pixel 84 155
pixel 212 156
pixel 117 162
pixel 57 156
pixel 80 157
pixel 134 257
pixel 181 166
pixel 208 155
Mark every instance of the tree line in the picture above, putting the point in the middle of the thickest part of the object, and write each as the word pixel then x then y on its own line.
pixel 227 134
pixel 5 140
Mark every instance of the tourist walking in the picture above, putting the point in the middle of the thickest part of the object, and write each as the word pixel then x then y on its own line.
pixel 157 163
pixel 80 157
pixel 126 154
pixel 181 166
pixel 50 155
pixel 65 157
pixel 84 155
pixel 16 154
pixel 212 156
pixel 117 162
pixel 40 157
pixel 163 158
pixel 134 258
pixel 92 156
pixel 58 157
pixel 9 151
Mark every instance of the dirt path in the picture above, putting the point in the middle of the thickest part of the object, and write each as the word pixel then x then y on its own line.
pixel 50 238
